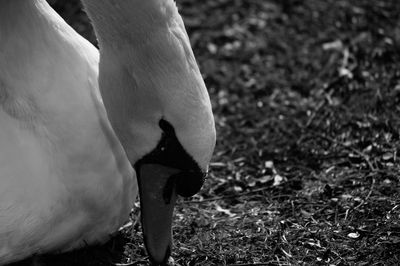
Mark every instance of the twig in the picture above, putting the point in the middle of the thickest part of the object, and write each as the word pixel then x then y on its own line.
pixel 329 91
pixel 370 189
pixel 363 155
pixel 314 113
pixel 131 263
pixel 234 196
pixel 367 197
pixel 254 264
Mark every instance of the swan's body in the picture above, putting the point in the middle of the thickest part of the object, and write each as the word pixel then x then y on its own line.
pixel 65 180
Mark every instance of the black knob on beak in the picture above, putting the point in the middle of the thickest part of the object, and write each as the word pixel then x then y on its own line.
pixel 189 183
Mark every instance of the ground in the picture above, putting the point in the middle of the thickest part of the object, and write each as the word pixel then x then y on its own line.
pixel 306 96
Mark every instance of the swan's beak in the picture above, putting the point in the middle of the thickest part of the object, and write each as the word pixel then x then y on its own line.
pixel 157 198
pixel 159 186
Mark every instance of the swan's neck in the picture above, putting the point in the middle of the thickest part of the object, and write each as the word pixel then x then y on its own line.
pixel 140 60
pixel 148 72
pixel 132 21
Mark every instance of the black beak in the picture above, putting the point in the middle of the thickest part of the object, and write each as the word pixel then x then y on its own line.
pixel 163 174
pixel 159 186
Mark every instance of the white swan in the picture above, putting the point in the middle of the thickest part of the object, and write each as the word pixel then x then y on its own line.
pixel 65 179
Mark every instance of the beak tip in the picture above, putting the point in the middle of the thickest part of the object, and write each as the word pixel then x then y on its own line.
pixel 159 259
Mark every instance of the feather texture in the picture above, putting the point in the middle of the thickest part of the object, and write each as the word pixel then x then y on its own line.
pixel 64 178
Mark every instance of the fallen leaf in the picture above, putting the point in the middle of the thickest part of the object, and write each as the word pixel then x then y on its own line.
pixel 354 235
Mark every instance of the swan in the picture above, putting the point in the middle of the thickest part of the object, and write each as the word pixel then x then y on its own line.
pixel 83 132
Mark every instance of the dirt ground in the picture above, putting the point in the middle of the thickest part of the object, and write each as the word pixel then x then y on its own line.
pixel 306 96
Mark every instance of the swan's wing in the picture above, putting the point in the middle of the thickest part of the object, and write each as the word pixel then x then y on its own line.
pixel 64 178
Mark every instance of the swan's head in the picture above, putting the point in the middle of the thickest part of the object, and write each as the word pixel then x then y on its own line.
pixel 166 126
pixel 160 109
